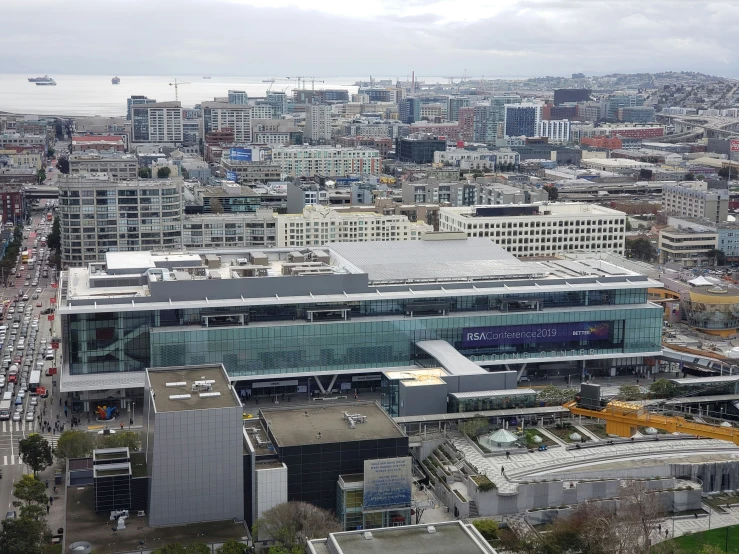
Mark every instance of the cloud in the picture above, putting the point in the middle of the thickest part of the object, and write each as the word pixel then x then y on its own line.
pixel 378 37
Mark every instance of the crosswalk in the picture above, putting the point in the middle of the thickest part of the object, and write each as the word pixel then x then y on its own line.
pixel 12 458
pixel 17 426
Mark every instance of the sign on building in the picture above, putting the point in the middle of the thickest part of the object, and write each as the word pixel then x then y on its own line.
pixel 734 145
pixel 535 334
pixel 387 482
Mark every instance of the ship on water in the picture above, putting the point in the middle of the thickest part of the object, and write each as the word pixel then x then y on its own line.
pixel 116 80
pixel 206 77
pixel 49 83
pixel 44 79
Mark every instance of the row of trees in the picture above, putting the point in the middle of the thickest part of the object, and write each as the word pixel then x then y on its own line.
pixel 162 172
pixel 11 254
pixel 28 533
pixel 54 242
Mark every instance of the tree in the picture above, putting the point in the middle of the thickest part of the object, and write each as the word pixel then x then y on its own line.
pixel 62 164
pixel 51 153
pixel 232 546
pixel 488 528
pixel 629 226
pixel 129 439
pixel 145 172
pixel 216 207
pixel 74 444
pixel 690 176
pixel 24 535
pixel 40 176
pixel 719 258
pixel 54 240
pixel 724 172
pixel 663 388
pixel 177 548
pixel 30 491
pixel 35 452
pixel 163 172
pixel 282 550
pixel 630 392
pixel 473 427
pixel 290 524
pixel 552 191
pixel 553 396
pixel 641 249
pixel 639 511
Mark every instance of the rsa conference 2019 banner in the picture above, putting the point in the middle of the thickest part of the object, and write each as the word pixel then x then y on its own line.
pixel 538 333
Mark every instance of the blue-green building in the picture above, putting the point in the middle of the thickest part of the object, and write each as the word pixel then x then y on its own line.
pixel 336 318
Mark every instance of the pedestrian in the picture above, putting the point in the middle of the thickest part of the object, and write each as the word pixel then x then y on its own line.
pixel 121 426
pixel 130 421
pixel 47 509
pixel 47 483
pixel 54 488
pixel 65 411
pixel 502 470
pixel 60 401
pixel 507 455
pixel 659 528
pixel 667 532
pixel 51 499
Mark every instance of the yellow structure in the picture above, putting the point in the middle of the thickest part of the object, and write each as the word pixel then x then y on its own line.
pixel 623 419
pixel 713 309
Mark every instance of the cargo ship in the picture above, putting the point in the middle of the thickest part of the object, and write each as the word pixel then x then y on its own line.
pixel 44 79
pixel 116 80
pixel 49 83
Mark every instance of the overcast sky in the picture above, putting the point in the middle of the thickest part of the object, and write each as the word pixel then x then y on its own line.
pixel 361 37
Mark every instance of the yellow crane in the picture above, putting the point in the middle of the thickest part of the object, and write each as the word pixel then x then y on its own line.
pixel 176 86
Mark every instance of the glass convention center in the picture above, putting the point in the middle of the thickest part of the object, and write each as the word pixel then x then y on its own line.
pixel 336 318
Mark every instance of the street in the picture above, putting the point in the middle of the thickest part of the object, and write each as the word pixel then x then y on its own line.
pixel 33 353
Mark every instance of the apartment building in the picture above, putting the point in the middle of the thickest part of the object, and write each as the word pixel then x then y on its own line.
pixel 12 204
pixel 307 161
pixel 249 172
pixel 278 101
pixel 318 225
pixel 470 194
pixel 117 166
pixel 378 129
pixel 275 132
pixel 218 116
pixel 137 100
pixel 318 123
pixel 541 229
pixel 522 119
pixel 21 139
pixel 99 215
pixel 556 130
pixel 256 229
pixel 238 97
pixel 694 199
pixel 159 122
pixel 453 105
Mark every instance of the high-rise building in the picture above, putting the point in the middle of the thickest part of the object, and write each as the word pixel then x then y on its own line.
pixel 318 123
pixel 694 199
pixel 409 110
pixel 137 100
pixel 453 105
pixel 485 123
pixel 466 119
pixel 621 101
pixel 556 130
pixel 128 216
pixel 278 101
pixel 237 97
pixel 522 119
pixel 160 122
pixel 218 116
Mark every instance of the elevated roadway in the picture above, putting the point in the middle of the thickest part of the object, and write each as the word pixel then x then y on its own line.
pixel 41 192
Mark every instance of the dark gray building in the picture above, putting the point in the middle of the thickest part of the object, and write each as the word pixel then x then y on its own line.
pixel 418 150
pixel 564 95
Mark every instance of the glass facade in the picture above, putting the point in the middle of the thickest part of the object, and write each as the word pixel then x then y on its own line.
pixel 270 340
pixel 350 511
pixel 511 399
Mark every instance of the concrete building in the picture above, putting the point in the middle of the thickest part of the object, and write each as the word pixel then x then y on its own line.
pixel 21 139
pixel 694 199
pixel 100 143
pixel 276 132
pixel 230 230
pixel 318 226
pixel 449 131
pixel 485 122
pixel 522 119
pixel 307 161
pixel 278 101
pixel 378 128
pixel 541 229
pixel 251 172
pixel 219 116
pixel 238 97
pixel 159 122
pixel 482 159
pixel 557 131
pixel 137 100
pixel 230 198
pixel 318 123
pixel 687 246
pixel 116 166
pixel 382 145
pixel 185 409
pixel 19 157
pixel 121 216
pixel 469 194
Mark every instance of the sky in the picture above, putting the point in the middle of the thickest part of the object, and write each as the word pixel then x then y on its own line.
pixel 383 38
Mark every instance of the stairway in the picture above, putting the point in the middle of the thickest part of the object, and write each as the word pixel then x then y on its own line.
pixel 473 509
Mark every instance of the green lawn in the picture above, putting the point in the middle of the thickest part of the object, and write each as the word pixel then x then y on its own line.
pixel 692 544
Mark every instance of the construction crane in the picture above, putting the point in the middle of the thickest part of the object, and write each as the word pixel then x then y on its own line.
pixel 176 86
pixel 304 80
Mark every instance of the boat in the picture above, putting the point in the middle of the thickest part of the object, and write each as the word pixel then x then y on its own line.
pixel 206 77
pixel 116 80
pixel 44 79
pixel 49 83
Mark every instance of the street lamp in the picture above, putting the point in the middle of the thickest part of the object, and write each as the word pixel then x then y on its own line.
pixel 133 408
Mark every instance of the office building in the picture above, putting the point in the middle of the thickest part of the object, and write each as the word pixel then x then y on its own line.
pixel 8 139
pixel 453 105
pixel 307 161
pixel 193 445
pixel 231 198
pixel 275 132
pixel 219 116
pixel 261 110
pixel 636 114
pixel 99 216
pixel 467 160
pixel 565 95
pixel 616 101
pixel 461 193
pixel 295 321
pixel 485 123
pixel 380 128
pixel 159 122
pixel 100 143
pixel 541 229
pixel 448 131
pixel 116 166
pixel 383 145
pixel 230 230
pixel 251 168
pixel 318 226
pixel 687 246
pixel 137 100
pixel 20 157
pixel 238 97
pixel 278 101
pixel 409 110
pixel 556 131
pixel 418 149
pixel 694 199
pixel 318 123
pixel 522 119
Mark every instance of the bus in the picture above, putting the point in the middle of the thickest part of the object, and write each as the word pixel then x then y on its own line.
pixel 49 216
pixel 34 380
pixel 24 256
pixel 32 262
pixel 5 404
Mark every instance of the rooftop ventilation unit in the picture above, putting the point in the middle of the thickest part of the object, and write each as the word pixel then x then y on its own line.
pixel 201 386
pixel 177 384
pixel 179 396
pixel 209 394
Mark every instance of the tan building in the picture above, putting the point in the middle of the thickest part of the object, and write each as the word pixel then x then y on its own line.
pixel 687 246
pixel 117 166
pixel 27 158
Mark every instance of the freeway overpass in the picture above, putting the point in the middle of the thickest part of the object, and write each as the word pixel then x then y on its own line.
pixel 41 192
pixel 691 125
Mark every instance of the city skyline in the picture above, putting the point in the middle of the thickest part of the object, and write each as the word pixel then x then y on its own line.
pixel 518 39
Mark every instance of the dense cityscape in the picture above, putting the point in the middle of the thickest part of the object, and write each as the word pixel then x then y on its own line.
pixel 474 315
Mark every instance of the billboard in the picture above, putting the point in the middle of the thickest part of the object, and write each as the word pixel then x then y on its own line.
pixel 734 145
pixel 240 154
pixel 232 176
pixel 539 333
pixel 387 482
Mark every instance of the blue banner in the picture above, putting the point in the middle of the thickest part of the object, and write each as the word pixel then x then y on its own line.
pixel 538 333
pixel 240 154
pixel 232 176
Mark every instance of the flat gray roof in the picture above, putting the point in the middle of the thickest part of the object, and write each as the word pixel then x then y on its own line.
pixel 301 425
pixel 452 536
pixel 173 388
